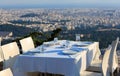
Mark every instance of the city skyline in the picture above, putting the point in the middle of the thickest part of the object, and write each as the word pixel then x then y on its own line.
pixel 59 4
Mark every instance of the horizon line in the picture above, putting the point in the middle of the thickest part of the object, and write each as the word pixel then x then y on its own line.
pixel 61 6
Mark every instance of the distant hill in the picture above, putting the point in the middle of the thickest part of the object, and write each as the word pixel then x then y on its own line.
pixel 17 30
pixel 25 22
pixel 30 15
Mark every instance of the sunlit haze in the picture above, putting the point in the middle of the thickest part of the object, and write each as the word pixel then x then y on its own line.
pixel 59 3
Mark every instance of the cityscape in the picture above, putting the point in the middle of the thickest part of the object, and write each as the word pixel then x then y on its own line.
pixel 71 20
pixel 50 19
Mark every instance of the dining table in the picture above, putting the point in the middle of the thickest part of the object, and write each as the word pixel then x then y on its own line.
pixel 63 57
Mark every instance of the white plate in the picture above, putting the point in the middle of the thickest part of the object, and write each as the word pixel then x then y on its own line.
pixel 69 52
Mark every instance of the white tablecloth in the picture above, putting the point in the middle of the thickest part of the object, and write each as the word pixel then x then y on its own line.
pixel 52 60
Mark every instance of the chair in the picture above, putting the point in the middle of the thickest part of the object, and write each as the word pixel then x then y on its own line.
pixel 96 64
pixel 0 40
pixel 1 56
pixel 113 61
pixel 1 59
pixel 27 44
pixel 6 72
pixel 10 51
pixel 104 68
pixel 97 54
pixel 1 53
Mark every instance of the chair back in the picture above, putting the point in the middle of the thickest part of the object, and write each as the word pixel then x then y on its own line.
pixel 6 72
pixel 105 69
pixel 113 61
pixel 98 53
pixel 27 44
pixel 1 55
pixel 10 51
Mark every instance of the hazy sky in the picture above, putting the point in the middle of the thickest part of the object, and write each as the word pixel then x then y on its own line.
pixel 22 3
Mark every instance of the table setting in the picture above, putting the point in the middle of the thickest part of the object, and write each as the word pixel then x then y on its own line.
pixel 65 47
pixel 55 55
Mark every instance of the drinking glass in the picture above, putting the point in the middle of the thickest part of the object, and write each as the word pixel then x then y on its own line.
pixel 41 48
pixel 55 39
pixel 67 44
pixel 77 37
